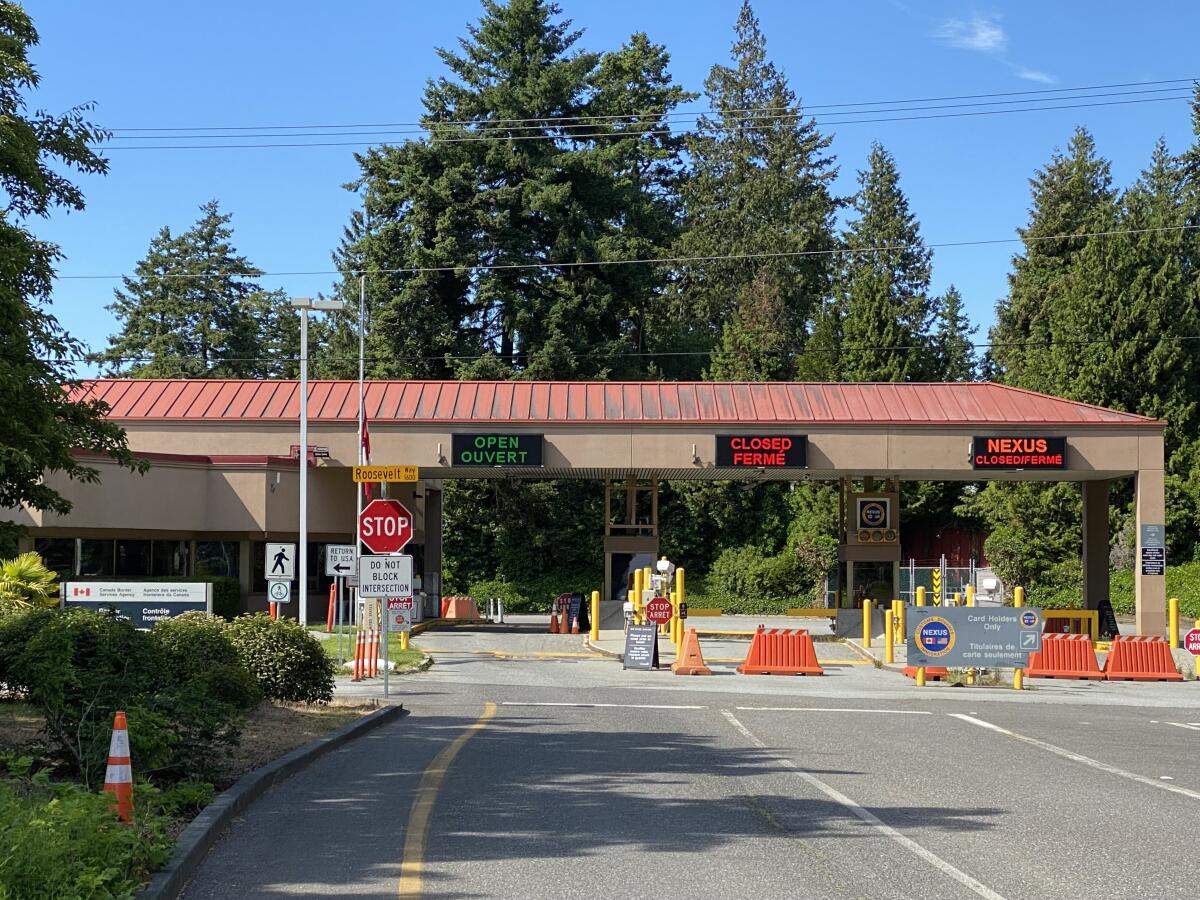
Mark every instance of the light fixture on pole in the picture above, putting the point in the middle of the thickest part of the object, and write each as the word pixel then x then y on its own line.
pixel 304 304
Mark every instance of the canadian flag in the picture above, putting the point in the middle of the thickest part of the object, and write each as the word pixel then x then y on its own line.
pixel 81 592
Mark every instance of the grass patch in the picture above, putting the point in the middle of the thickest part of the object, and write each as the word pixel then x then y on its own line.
pixel 406 660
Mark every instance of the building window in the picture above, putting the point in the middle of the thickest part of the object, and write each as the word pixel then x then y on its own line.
pixel 133 559
pixel 95 557
pixel 58 554
pixel 170 558
pixel 218 558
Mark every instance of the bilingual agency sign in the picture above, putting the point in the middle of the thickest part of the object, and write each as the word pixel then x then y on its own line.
pixel 762 451
pixel 141 602
pixel 496 450
pixel 973 636
pixel 1014 453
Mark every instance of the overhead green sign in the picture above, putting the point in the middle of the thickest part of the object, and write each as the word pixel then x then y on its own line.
pixel 492 449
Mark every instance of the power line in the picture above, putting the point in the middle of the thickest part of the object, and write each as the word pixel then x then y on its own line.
pixel 565 119
pixel 482 138
pixel 726 257
pixel 864 348
pixel 500 127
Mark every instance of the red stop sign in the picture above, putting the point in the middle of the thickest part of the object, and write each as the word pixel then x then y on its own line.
pixel 659 610
pixel 1191 640
pixel 386 526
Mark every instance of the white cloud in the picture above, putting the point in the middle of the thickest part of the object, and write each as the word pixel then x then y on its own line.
pixel 1034 75
pixel 980 33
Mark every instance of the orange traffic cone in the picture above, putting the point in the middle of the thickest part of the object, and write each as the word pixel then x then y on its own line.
pixel 691 660
pixel 575 625
pixel 554 623
pixel 118 777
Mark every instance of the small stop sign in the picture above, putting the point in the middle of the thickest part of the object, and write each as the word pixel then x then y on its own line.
pixel 1191 641
pixel 386 526
pixel 658 610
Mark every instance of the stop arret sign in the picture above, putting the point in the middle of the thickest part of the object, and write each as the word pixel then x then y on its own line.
pixel 1191 641
pixel 386 526
pixel 659 610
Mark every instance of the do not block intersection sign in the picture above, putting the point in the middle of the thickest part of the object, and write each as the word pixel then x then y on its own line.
pixel 385 576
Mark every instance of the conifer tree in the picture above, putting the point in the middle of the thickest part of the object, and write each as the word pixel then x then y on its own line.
pixel 954 357
pixel 192 308
pixel 759 184
pixel 878 320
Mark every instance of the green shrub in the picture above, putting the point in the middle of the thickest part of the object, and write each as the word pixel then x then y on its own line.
pixel 78 667
pixel 63 841
pixel 287 661
pixel 1062 588
pixel 514 600
pixel 197 647
pixel 745 580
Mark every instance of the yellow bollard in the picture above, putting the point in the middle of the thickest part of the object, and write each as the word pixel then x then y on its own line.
pixel 595 635
pixel 1173 621
pixel 1018 674
pixel 920 596
pixel 957 602
pixel 404 640
pixel 637 596
pixel 889 649
pixel 970 595
pixel 920 676
pixel 901 622
pixel 866 623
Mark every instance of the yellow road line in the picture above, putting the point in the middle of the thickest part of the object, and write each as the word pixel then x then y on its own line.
pixel 417 830
pixel 502 654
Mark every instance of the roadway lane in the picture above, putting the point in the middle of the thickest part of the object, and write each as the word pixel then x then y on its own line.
pixel 579 786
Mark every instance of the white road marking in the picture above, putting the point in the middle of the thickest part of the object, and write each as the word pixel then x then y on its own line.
pixel 871 819
pixel 1080 758
pixel 848 709
pixel 600 705
pixel 1193 726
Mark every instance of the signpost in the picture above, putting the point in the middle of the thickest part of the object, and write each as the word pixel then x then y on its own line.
pixel 280 562
pixel 141 602
pixel 340 560
pixel 385 576
pixel 279 591
pixel 973 636
pixel 641 647
pixel 386 526
pixel 659 610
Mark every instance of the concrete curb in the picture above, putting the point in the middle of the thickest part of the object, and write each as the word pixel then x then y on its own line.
pixel 204 830
pixel 610 654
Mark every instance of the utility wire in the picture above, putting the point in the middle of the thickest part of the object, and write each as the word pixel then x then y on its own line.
pixel 726 257
pixel 864 348
pixel 480 138
pixel 808 107
pixel 504 131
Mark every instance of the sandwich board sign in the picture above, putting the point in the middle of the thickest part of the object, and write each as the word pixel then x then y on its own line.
pixel 641 647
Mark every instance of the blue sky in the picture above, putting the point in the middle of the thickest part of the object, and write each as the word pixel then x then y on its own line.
pixel 232 63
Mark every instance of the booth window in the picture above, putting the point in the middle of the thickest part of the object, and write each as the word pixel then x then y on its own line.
pixel 170 558
pixel 218 558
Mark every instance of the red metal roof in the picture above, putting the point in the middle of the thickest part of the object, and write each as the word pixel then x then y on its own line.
pixel 982 404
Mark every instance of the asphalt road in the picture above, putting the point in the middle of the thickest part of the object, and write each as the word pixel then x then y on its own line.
pixel 547 777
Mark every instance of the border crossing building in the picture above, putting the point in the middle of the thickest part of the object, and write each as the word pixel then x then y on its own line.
pixel 224 466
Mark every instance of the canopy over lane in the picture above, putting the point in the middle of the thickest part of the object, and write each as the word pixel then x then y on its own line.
pixel 665 430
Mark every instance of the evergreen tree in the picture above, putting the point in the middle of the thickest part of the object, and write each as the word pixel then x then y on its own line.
pixel 193 310
pixel 1072 195
pixel 757 342
pixel 759 184
pixel 954 357
pixel 41 428
pixel 878 320
pixel 543 162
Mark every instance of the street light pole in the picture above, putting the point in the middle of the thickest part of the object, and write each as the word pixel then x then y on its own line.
pixel 304 304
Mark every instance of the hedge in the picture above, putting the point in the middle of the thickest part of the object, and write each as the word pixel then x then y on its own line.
pixel 1183 582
